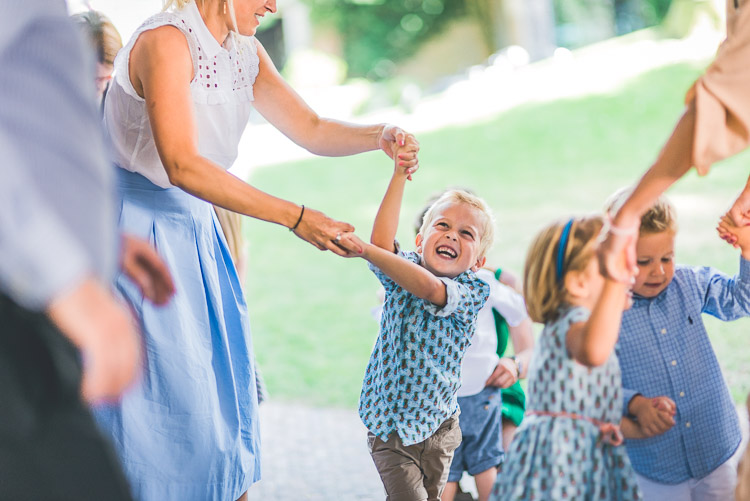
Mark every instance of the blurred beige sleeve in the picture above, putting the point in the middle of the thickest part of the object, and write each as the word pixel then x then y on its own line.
pixel 231 225
pixel 721 98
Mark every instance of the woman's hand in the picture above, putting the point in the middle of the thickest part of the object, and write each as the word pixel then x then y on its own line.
pixel 352 245
pixel 322 231
pixel 392 139
pixel 740 211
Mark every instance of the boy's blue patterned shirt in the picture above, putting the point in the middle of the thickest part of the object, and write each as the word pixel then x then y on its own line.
pixel 414 371
pixel 664 350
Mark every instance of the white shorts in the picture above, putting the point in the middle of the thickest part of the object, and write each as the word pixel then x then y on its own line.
pixel 719 485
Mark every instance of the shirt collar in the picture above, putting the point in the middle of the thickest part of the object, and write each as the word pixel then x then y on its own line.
pixel 205 39
pixel 645 301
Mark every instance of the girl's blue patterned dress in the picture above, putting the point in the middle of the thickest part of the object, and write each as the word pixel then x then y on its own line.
pixel 557 458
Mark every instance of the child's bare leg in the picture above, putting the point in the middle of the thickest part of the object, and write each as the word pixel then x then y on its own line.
pixel 449 493
pixel 243 497
pixel 509 429
pixel 485 481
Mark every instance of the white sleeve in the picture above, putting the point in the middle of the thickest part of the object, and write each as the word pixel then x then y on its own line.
pixel 507 302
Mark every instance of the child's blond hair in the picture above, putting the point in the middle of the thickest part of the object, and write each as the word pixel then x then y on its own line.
pixel 450 197
pixel 102 34
pixel 543 284
pixel 661 216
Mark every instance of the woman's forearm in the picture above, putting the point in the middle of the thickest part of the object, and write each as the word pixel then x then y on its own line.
pixel 334 138
pixel 674 160
pixel 204 179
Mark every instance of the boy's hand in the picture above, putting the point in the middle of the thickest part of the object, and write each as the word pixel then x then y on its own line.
pixel 403 160
pixel 655 416
pixel 737 236
pixel 351 245
pixel 394 140
pixel 505 374
pixel 665 404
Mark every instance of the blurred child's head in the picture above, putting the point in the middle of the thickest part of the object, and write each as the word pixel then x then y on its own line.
pixel 562 263
pixel 104 39
pixel 655 246
pixel 456 232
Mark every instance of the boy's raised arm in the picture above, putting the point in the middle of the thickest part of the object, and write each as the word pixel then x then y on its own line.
pixel 386 221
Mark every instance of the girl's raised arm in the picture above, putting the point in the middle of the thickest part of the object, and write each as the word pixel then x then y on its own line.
pixel 591 342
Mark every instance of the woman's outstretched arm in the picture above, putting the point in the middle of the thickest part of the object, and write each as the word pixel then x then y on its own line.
pixel 287 111
pixel 161 71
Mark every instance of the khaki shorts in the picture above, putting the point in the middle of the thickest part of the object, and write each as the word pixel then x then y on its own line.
pixel 416 472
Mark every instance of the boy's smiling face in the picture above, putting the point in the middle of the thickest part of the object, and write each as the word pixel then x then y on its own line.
pixel 450 245
pixel 655 259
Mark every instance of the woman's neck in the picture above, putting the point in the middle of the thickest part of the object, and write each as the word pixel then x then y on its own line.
pixel 215 20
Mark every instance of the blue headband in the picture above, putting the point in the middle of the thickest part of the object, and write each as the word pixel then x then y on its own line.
pixel 561 249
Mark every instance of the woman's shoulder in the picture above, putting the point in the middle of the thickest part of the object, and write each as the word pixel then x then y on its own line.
pixel 160 19
pixel 159 30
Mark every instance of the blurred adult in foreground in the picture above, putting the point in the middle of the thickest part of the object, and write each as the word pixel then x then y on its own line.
pixel 58 253
pixel 180 99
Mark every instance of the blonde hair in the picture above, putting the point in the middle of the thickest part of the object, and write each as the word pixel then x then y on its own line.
pixel 661 216
pixel 543 290
pixel 450 197
pixel 104 37
pixel 180 4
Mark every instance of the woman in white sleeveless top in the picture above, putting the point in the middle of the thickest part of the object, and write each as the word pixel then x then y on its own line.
pixel 180 100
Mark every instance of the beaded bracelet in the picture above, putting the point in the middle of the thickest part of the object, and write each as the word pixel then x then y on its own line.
pixel 618 230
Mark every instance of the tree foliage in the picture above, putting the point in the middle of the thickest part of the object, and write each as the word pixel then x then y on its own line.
pixel 376 34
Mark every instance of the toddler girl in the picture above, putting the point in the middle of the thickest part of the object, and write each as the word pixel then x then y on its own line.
pixel 569 444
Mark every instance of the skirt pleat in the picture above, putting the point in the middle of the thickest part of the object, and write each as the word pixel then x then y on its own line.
pixel 188 429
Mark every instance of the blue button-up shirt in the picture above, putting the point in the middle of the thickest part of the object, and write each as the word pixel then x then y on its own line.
pixel 664 350
pixel 414 371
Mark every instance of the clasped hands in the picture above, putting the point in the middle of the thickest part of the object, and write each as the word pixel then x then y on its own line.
pixel 617 254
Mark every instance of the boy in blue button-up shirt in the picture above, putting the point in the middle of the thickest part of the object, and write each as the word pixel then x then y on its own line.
pixel 408 400
pixel 665 353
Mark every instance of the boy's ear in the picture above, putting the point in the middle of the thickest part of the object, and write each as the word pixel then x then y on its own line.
pixel 418 241
pixel 480 263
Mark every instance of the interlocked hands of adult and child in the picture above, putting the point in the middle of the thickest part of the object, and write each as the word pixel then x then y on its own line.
pixel 337 236
pixel 617 256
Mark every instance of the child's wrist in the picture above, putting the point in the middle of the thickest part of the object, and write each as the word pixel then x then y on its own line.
pixel 636 404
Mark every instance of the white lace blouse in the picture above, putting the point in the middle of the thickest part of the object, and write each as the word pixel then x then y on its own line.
pixel 221 90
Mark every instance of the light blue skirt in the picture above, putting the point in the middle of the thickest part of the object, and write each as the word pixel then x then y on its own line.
pixel 188 429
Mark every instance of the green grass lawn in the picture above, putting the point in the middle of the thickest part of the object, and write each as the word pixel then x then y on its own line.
pixel 310 310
